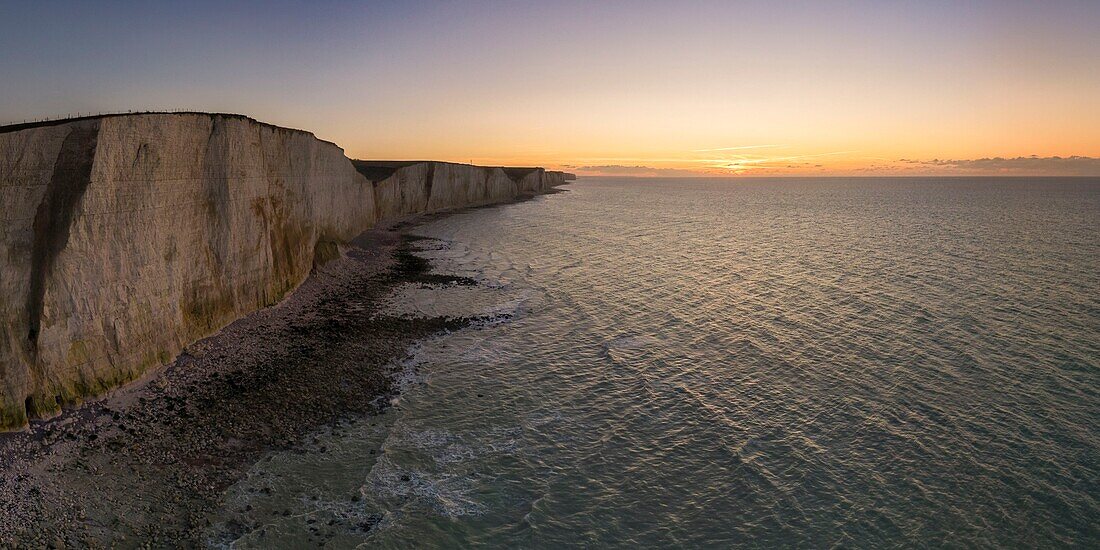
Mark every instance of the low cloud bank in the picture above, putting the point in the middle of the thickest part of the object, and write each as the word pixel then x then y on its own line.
pixel 1023 166
pixel 636 171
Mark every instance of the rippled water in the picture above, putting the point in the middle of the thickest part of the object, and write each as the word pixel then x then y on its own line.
pixel 821 362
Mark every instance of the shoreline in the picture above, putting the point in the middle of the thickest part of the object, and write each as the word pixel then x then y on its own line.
pixel 149 462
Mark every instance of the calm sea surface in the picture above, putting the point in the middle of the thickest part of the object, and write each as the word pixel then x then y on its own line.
pixel 807 362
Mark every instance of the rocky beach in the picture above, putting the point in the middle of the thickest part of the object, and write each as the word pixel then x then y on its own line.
pixel 147 464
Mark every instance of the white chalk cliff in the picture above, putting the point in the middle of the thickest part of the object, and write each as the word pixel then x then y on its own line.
pixel 124 238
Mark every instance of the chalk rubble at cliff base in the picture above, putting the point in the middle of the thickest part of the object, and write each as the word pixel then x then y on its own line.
pixel 150 462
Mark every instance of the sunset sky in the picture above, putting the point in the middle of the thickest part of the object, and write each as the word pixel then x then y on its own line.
pixel 616 88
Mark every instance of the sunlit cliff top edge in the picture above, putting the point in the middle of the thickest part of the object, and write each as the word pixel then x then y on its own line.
pixel 15 127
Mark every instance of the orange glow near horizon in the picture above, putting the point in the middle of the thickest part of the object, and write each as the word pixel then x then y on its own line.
pixel 900 129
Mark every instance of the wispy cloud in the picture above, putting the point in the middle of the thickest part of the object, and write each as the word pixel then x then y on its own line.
pixel 637 171
pixel 738 148
pixel 742 164
pixel 594 160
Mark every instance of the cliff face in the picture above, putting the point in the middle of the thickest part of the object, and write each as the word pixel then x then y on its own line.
pixel 403 188
pixel 124 238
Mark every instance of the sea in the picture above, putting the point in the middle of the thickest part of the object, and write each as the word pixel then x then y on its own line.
pixel 718 363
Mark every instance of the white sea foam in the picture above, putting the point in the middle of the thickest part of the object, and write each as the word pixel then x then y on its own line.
pixel 449 495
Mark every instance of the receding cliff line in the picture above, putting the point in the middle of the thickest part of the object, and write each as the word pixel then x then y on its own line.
pixel 124 238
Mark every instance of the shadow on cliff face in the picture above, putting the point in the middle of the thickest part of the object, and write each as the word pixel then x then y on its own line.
pixel 52 220
pixel 378 170
pixel 149 463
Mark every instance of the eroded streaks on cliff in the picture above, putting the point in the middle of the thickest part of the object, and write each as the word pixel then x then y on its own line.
pixel 429 178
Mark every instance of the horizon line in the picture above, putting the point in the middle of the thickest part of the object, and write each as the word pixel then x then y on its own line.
pixel 792 176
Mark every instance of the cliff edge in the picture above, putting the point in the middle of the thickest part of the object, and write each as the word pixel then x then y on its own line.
pixel 123 238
